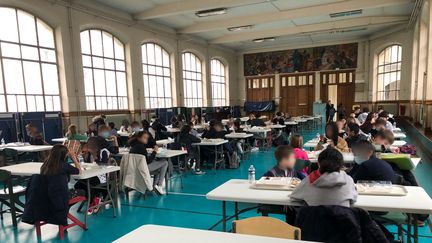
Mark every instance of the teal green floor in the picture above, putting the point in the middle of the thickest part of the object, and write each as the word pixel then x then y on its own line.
pixel 185 207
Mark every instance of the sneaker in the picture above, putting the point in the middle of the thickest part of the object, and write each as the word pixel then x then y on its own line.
pixel 97 201
pixel 159 190
pixel 199 172
pixel 90 210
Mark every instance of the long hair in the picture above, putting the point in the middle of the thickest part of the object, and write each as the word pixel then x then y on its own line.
pixel 335 132
pixel 72 130
pixel 55 160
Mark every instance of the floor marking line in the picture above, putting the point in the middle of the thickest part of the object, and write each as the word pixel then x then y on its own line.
pixel 187 194
pixel 170 209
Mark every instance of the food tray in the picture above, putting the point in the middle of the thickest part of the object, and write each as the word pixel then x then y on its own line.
pixel 276 183
pixel 394 190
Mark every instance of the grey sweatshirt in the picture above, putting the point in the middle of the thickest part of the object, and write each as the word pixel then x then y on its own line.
pixel 336 188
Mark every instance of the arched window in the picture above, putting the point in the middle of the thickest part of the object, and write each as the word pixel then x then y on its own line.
pixel 389 73
pixel 104 71
pixel 28 63
pixel 218 81
pixel 192 80
pixel 157 76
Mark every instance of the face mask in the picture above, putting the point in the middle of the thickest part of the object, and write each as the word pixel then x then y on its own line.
pixel 106 134
pixel 136 129
pixel 378 147
pixel 359 160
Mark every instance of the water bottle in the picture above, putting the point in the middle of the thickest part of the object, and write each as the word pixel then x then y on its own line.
pixel 3 143
pixel 251 176
pixel 318 136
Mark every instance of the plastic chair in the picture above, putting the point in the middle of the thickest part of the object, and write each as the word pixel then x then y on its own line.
pixel 301 164
pixel 266 226
pixel 63 228
pixel 9 195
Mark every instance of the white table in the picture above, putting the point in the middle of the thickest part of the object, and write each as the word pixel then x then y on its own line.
pixel 291 123
pixel 26 148
pixel 311 144
pixel 399 135
pixel 164 142
pixel 59 140
pixel 417 201
pixel 173 130
pixel 276 126
pixel 167 234
pixel 217 145
pixel 239 135
pixel 124 134
pixel 89 171
pixel 347 156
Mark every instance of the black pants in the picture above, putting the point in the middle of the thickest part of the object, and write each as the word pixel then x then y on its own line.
pixel 94 181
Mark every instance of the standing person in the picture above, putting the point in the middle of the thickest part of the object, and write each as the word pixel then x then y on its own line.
pixel 332 113
pixel 327 109
pixel 341 111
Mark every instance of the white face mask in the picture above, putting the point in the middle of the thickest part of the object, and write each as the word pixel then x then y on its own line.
pixel 359 160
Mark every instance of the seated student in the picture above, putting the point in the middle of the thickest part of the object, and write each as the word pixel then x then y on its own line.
pixel 329 185
pixel 385 116
pixel 113 130
pixel 285 158
pixel 174 122
pixel 331 137
pixel 362 116
pixel 35 137
pixel 92 130
pixel 186 139
pixel 55 167
pixel 98 149
pixel 159 129
pixel 125 127
pixel 236 127
pixel 383 140
pixel 257 121
pixel 135 127
pixel 368 167
pixel 72 134
pixel 341 127
pixel 354 135
pixel 278 118
pixel 367 125
pixel 297 144
pixel 216 130
pixel 140 147
pixel 378 125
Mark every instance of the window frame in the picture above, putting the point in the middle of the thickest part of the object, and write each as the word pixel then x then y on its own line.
pixel 218 101
pixel 189 100
pixel 164 98
pixel 39 62
pixel 383 95
pixel 124 98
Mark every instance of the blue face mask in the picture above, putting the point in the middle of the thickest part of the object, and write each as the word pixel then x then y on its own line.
pixel 359 160
pixel 136 129
pixel 106 134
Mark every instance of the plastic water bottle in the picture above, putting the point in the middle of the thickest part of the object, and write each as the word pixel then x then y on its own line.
pixel 3 143
pixel 251 175
pixel 318 136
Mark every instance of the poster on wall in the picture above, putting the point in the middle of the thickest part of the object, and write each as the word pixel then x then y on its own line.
pixel 301 60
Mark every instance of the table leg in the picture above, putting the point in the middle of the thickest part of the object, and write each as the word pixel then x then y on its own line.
pixel 415 219
pixel 224 216
pixel 109 195
pixel 12 204
pixel 88 203
pixel 167 181
pixel 409 228
pixel 236 210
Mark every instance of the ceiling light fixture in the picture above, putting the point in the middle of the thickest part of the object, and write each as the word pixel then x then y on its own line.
pixel 259 40
pixel 211 12
pixel 239 28
pixel 346 14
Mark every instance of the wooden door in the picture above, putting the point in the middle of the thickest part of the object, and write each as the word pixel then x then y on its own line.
pixel 260 88
pixel 297 93
pixel 344 80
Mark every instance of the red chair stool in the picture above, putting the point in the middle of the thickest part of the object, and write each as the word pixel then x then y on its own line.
pixel 63 228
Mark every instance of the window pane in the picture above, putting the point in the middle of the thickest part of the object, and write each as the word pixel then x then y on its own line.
pixel 12 105
pixel 85 42
pixel 45 34
pixel 9 31
pixel 50 78
pixel 13 77
pixel 2 103
pixel 88 81
pixel 99 80
pixel 32 77
pixel 10 50
pixel 29 52
pixel 27 28
pixel 389 68
pixel 108 44
pixel 96 42
pixel 121 84
pixel 48 55
pixel 118 49
pixel 111 83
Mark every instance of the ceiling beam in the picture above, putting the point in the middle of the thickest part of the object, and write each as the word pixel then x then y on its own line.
pixel 310 28
pixel 317 10
pixel 186 6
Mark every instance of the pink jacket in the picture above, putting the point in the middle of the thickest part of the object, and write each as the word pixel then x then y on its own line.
pixel 301 154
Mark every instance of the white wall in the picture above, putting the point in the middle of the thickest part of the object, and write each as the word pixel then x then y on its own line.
pixel 68 21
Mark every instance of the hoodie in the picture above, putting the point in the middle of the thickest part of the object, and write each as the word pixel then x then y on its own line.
pixel 336 188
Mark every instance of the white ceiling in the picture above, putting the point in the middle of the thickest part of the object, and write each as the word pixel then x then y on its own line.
pixel 292 22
